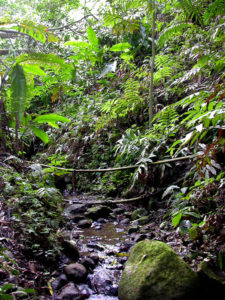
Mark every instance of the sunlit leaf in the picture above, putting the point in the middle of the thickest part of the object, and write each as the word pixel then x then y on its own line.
pixel 40 134
pixel 50 118
pixel 176 220
pixel 120 47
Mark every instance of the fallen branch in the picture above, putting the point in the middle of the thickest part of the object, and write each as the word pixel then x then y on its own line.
pixel 142 197
pixel 119 168
pixel 109 202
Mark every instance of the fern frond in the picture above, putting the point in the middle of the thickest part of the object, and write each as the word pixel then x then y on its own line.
pixel 216 8
pixel 165 72
pixel 167 116
pixel 193 10
pixel 38 32
pixel 161 60
pixel 43 60
pixel 171 32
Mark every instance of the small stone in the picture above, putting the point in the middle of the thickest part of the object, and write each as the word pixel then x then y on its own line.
pixel 112 215
pixel 76 272
pixel 125 221
pixel 75 209
pixel 70 249
pixel 69 292
pixel 118 210
pixel 140 237
pixel 138 213
pixel 59 282
pixel 133 229
pixel 102 221
pixel 93 245
pixel 143 220
pixel 122 260
pixel 76 218
pixel 84 223
pixel 126 246
pixel 97 212
pixel 94 257
pixel 88 263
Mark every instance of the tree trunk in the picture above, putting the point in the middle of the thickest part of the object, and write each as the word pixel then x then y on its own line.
pixel 150 104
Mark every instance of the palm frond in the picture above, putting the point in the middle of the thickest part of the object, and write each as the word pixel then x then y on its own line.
pixel 44 60
pixel 171 32
pixel 193 10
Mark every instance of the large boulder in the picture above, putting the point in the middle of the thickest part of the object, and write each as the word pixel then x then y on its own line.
pixel 155 272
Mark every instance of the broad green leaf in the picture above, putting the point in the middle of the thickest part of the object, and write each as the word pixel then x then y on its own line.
pixel 40 134
pixel 34 69
pixel 50 118
pixel 19 91
pixel 120 47
pixel 176 220
pixel 92 38
pixel 78 44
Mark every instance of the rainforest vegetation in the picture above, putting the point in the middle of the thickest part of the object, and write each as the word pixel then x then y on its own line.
pixel 117 101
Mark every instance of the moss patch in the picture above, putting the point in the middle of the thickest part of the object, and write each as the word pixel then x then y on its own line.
pixel 155 271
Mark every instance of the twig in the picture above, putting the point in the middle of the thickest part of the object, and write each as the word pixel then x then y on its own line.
pixel 71 24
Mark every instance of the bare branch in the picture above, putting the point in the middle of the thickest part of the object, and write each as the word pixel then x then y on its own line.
pixel 71 24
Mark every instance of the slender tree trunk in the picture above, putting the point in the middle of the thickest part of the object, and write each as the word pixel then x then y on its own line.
pixel 150 103
pixel 3 125
pixel 17 133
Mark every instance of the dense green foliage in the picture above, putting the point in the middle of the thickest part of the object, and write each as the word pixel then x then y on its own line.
pixel 75 92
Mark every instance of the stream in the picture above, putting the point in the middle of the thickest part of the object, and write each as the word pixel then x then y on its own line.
pixel 100 234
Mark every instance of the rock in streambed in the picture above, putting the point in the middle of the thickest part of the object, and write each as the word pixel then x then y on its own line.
pixel 155 272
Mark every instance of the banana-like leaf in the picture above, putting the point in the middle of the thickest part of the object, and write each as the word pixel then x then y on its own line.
pixel 92 38
pixel 19 92
pixel 40 134
pixel 120 47
pixel 50 118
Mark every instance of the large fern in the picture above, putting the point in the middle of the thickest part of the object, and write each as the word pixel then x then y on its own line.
pixel 171 32
pixel 166 67
pixel 216 8
pixel 44 60
pixel 38 32
pixel 193 10
pixel 121 106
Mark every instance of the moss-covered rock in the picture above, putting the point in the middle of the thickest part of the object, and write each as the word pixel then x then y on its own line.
pixel 155 272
